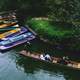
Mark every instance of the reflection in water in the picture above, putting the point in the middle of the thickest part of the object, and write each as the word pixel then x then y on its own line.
pixel 38 70
pixel 46 71
pixel 13 65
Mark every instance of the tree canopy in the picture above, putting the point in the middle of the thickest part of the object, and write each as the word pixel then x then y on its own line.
pixel 58 10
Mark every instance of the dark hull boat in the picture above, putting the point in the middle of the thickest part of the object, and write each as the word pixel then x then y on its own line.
pixel 16 40
pixel 54 60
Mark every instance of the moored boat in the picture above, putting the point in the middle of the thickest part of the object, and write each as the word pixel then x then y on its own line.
pixel 7 24
pixel 7 18
pixel 7 15
pixel 16 40
pixel 14 32
pixel 55 60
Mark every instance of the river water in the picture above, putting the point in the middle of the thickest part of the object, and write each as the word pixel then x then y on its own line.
pixel 14 66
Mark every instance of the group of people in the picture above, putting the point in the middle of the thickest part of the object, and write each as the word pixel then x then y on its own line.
pixel 64 59
pixel 48 58
pixel 45 57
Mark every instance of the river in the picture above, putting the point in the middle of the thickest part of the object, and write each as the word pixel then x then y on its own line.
pixel 14 66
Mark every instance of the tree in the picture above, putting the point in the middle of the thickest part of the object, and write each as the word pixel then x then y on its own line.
pixel 64 10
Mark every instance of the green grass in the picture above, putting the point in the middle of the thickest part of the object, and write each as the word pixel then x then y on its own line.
pixel 57 34
pixel 46 29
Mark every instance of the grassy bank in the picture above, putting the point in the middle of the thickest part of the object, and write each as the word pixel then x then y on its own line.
pixel 57 33
pixel 49 29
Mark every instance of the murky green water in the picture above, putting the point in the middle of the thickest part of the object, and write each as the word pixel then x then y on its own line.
pixel 17 67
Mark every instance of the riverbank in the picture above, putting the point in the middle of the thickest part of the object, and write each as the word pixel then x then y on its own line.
pixel 48 29
pixel 62 35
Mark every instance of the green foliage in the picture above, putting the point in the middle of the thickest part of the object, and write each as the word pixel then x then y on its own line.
pixel 64 10
pixel 49 30
pixel 58 10
pixel 57 34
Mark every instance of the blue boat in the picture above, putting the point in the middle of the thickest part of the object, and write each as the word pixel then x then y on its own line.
pixel 16 40
pixel 8 34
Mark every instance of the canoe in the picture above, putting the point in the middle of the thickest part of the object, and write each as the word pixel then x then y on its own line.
pixel 14 32
pixel 7 16
pixel 16 40
pixel 7 24
pixel 54 60
pixel 2 30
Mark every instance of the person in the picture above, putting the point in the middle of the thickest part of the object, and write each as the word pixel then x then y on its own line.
pixel 47 57
pixel 42 57
pixel 65 58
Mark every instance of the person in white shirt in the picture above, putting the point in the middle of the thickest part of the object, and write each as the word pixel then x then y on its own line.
pixel 47 57
pixel 42 57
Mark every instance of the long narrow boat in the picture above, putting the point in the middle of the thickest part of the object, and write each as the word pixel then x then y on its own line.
pixel 14 32
pixel 7 15
pixel 54 60
pixel 16 40
pixel 7 29
pixel 8 24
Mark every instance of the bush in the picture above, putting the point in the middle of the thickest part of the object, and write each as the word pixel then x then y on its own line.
pixel 57 34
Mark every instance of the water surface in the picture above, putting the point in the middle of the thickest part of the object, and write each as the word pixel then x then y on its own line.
pixel 15 66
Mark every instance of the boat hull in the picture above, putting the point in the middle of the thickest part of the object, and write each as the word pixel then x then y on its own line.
pixel 7 24
pixel 27 39
pixel 23 30
pixel 36 56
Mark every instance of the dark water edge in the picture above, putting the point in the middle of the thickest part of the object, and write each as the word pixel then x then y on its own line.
pixel 38 45
pixel 13 65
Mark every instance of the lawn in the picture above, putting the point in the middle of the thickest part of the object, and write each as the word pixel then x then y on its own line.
pixel 57 34
pixel 49 30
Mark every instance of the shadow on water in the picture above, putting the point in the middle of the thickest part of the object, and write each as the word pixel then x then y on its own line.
pixel 41 47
